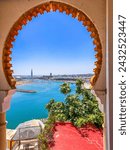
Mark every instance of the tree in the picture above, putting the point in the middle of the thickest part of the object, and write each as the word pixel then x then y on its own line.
pixel 79 108
pixel 65 88
pixel 79 86
pixel 49 105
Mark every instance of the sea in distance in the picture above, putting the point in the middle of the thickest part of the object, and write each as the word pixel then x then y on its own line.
pixel 28 106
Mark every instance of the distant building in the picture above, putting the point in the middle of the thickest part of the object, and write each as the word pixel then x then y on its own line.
pixel 31 73
pixel 50 74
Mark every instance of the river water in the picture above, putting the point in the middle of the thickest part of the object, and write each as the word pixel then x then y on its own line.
pixel 28 106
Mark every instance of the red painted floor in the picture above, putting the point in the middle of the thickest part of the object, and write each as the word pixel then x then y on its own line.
pixel 67 137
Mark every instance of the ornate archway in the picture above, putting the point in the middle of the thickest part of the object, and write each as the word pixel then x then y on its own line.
pixel 95 21
pixel 40 9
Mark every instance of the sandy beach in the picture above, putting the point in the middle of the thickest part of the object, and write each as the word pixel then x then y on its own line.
pixel 23 82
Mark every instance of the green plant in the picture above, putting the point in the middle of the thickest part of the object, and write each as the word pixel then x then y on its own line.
pixel 79 122
pixel 42 142
pixel 46 137
pixel 79 108
pixel 49 105
pixel 65 88
pixel 79 86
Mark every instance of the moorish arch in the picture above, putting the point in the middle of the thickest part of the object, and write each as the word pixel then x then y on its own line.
pixel 40 9
pixel 91 13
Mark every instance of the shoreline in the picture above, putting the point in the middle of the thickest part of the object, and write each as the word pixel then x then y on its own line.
pixel 22 82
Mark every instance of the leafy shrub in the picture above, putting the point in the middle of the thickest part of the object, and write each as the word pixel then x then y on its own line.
pixel 65 88
pixel 79 108
pixel 45 139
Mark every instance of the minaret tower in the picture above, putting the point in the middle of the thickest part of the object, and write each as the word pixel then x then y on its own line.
pixel 31 73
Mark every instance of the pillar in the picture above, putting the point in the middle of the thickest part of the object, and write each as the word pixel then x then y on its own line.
pixel 109 68
pixel 5 97
pixel 101 98
pixel 2 131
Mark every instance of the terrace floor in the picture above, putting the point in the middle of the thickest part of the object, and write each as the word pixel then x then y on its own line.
pixel 67 137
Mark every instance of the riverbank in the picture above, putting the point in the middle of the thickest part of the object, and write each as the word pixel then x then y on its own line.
pixel 22 82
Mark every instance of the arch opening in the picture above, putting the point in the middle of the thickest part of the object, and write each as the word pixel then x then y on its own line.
pixel 40 9
pixel 24 48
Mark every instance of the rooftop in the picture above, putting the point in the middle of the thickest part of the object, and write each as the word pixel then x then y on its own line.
pixel 67 137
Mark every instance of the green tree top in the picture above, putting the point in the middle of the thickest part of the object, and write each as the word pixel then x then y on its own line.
pixel 65 88
pixel 79 108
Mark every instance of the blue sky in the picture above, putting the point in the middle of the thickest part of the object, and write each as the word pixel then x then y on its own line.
pixel 53 42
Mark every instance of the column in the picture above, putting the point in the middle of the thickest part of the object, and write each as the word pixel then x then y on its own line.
pixel 2 131
pixel 5 97
pixel 101 96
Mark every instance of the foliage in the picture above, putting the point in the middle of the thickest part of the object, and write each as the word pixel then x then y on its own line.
pixel 79 108
pixel 65 88
pixel 79 122
pixel 45 139
pixel 43 145
pixel 49 105
pixel 79 87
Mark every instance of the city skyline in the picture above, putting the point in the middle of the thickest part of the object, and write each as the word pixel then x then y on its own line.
pixel 53 42
pixel 32 73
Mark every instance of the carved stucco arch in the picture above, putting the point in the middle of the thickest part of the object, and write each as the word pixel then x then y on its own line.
pixel 40 9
